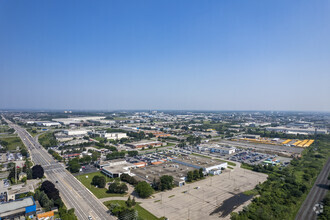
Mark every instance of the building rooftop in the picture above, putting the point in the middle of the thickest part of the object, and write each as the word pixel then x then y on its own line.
pixel 199 161
pixel 156 171
pixel 17 204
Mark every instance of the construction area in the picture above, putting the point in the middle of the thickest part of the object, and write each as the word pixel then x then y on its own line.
pixel 203 199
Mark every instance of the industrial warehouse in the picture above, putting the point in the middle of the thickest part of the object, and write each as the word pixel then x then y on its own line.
pixel 150 167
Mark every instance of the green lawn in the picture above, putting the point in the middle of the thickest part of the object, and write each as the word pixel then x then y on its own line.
pixel 33 131
pixel 98 192
pixel 12 142
pixel 5 129
pixel 144 214
pixel 47 140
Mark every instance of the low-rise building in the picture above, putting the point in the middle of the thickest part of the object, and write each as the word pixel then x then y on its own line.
pixel 297 130
pixel 114 136
pixel 25 207
pixel 208 165
pixel 145 144
pixel 75 132
pixel 116 168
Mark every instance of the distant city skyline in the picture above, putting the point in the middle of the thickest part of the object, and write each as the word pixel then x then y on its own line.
pixel 166 55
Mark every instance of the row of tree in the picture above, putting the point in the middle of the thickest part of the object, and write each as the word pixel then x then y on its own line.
pixel 48 197
pixel 117 187
pixel 165 182
pixel 128 179
pixel 116 155
pixel 195 175
pixel 36 172
pixel 286 188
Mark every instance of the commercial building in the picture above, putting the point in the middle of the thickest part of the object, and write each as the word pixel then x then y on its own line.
pixel 75 132
pixel 114 136
pixel 149 173
pixel 252 136
pixel 25 207
pixel 215 148
pixel 296 130
pixel 67 121
pixel 208 165
pixel 47 124
pixel 145 144
pixel 156 133
pixel 116 168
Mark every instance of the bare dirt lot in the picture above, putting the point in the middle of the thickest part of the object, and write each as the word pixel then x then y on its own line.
pixel 188 202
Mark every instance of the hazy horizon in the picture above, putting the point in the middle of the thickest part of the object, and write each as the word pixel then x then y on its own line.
pixel 184 55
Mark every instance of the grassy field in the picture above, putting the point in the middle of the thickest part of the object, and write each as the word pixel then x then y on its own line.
pixel 5 129
pixel 33 131
pixel 12 142
pixel 98 192
pixel 144 214
pixel 47 140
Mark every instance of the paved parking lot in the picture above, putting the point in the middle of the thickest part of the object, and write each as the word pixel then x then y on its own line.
pixel 187 202
pixel 252 157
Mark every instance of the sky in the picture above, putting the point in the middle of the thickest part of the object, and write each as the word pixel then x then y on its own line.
pixel 165 54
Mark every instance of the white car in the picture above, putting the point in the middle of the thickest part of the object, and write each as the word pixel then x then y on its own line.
pixel 90 218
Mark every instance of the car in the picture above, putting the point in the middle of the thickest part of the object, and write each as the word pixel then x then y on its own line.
pixel 56 181
pixel 90 218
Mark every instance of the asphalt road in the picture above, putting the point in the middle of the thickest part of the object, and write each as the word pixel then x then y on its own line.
pixel 74 194
pixel 316 195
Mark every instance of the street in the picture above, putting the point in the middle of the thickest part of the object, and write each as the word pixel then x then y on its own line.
pixel 73 193
pixel 316 194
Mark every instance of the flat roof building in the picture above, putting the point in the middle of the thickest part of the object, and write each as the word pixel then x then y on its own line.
pixel 115 168
pixel 200 162
pixel 296 130
pixel 76 132
pixel 18 208
pixel 145 144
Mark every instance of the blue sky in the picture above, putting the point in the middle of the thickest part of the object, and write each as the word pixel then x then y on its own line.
pixel 196 55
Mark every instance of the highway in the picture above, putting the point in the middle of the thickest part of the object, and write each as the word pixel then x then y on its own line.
pixel 74 194
pixel 316 195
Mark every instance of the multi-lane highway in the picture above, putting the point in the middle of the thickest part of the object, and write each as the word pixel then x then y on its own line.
pixel 74 194
pixel 310 207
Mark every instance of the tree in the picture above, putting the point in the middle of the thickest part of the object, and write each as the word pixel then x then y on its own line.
pixel 24 152
pixel 49 188
pixel 29 174
pixel 196 175
pixel 190 176
pixel 37 172
pixel 99 181
pixel 128 179
pixel 165 183
pixel 117 187
pixel 132 153
pixel 201 174
pixel 143 189
pixel 129 202
pixel 74 165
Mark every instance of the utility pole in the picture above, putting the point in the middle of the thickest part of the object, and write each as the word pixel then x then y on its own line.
pixel 15 173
